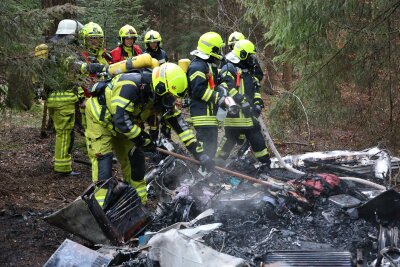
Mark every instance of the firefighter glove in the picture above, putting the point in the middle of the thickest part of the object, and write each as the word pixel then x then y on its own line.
pixel 221 102
pixel 185 102
pixel 206 163
pixel 222 93
pixel 143 140
pixel 258 101
pixel 95 68
pixel 256 111
pixel 246 108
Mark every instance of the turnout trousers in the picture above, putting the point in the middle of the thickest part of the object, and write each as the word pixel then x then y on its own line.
pixel 62 112
pixel 253 134
pixel 207 136
pixel 101 144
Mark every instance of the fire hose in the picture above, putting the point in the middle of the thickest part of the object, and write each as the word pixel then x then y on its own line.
pixel 272 146
pixel 236 174
pixel 289 168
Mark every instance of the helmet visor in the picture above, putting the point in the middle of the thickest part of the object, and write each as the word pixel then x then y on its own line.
pixel 217 50
pixel 168 101
pixel 160 88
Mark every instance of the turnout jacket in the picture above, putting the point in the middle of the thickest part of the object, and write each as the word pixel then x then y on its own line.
pixel 102 57
pixel 246 91
pixel 122 52
pixel 158 54
pixel 128 100
pixel 203 97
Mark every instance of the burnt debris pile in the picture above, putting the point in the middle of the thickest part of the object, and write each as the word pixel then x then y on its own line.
pixel 219 218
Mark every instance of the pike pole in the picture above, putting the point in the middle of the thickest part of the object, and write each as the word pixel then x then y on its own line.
pixel 236 174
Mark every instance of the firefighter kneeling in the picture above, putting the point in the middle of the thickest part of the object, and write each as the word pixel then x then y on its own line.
pixel 114 113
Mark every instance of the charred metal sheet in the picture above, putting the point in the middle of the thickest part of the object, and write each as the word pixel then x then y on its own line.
pixel 384 207
pixel 312 258
pixel 372 162
pixel 74 254
pixel 124 218
pixel 347 170
pixel 344 201
pixel 76 218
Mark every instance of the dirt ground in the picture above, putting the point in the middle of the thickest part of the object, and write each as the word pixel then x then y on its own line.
pixel 30 190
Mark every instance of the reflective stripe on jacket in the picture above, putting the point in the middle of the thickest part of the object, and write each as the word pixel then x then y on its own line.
pixel 246 89
pixel 203 108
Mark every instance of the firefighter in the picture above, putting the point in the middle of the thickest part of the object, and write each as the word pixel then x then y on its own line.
pixel 233 38
pixel 61 91
pixel 94 52
pixel 127 47
pixel 112 115
pixel 205 97
pixel 239 77
pixel 257 71
pixel 153 42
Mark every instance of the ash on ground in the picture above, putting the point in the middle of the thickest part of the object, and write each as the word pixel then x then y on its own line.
pixel 256 219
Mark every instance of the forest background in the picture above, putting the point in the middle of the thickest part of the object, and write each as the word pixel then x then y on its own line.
pixel 331 67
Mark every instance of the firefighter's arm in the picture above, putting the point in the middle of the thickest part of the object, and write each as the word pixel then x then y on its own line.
pixel 257 100
pixel 123 105
pixel 198 79
pixel 228 77
pixel 92 68
pixel 185 133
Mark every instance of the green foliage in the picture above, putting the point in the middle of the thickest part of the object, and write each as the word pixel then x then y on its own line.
pixel 344 53
pixel 22 27
pixel 111 15
pixel 178 24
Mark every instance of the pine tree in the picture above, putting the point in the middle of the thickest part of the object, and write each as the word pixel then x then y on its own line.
pixel 344 53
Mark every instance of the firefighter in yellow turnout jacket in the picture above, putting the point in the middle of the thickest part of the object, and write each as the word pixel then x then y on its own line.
pixel 238 75
pixel 205 97
pixel 114 113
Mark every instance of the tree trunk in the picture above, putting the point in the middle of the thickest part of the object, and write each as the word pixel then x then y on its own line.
pixel 269 71
pixel 287 76
pixel 51 3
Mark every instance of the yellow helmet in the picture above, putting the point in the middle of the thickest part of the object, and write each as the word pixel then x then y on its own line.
pixel 127 31
pixel 169 78
pixel 152 36
pixel 234 37
pixel 89 31
pixel 42 51
pixel 211 44
pixel 243 49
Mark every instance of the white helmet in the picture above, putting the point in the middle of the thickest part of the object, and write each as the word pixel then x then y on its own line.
pixel 68 26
